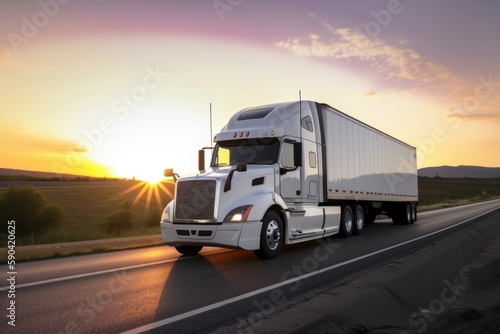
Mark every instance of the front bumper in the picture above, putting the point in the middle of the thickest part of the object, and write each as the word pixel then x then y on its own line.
pixel 244 235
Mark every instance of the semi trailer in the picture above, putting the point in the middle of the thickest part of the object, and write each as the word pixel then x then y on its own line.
pixel 290 172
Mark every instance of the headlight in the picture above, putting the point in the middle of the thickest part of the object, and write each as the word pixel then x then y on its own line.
pixel 240 214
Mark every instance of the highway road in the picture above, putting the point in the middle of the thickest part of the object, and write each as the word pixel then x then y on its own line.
pixel 157 290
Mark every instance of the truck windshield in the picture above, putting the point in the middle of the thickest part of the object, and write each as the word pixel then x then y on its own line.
pixel 261 151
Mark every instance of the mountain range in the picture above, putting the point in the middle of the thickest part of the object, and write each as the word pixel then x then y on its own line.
pixel 20 174
pixel 473 172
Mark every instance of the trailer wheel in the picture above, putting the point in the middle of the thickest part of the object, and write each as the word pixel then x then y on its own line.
pixel 406 214
pixel 188 250
pixel 413 213
pixel 271 237
pixel 346 222
pixel 359 219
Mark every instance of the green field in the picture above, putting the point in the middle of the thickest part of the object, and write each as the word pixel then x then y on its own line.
pixel 440 192
pixel 86 208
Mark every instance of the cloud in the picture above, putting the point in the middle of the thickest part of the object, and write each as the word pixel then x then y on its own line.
pixel 30 142
pixel 369 94
pixel 489 117
pixel 351 44
pixel 391 61
pixel 472 108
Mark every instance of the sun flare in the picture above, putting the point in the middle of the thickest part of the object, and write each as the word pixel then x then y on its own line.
pixel 150 191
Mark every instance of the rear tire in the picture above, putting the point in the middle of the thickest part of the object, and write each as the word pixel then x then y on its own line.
pixel 271 237
pixel 346 222
pixel 188 250
pixel 413 213
pixel 359 219
pixel 406 214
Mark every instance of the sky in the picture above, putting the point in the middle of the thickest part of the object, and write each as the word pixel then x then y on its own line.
pixel 124 88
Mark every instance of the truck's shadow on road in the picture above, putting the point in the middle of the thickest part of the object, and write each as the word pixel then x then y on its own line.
pixel 191 282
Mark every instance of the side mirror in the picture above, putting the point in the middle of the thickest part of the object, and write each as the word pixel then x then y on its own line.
pixel 297 154
pixel 201 158
pixel 169 172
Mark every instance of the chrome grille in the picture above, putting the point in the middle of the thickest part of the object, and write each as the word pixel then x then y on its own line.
pixel 195 200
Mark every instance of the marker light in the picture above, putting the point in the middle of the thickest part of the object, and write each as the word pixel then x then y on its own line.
pixel 272 132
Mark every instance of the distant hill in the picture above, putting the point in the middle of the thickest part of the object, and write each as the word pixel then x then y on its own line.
pixel 473 172
pixel 30 173
pixel 20 174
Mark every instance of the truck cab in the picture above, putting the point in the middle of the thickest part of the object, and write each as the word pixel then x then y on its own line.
pixel 257 190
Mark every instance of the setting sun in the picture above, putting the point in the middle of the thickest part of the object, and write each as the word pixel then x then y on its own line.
pixel 148 140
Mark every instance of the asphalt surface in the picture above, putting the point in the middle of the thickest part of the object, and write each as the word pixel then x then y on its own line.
pixel 157 290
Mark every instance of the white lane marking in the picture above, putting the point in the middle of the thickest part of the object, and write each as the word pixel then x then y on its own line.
pixel 67 278
pixel 107 271
pixel 214 306
pixel 465 206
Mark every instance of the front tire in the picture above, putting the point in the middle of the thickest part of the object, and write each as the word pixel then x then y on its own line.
pixel 271 237
pixel 188 250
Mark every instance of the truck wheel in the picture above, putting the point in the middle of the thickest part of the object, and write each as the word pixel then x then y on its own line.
pixel 359 219
pixel 346 222
pixel 413 213
pixel 188 250
pixel 406 214
pixel 271 237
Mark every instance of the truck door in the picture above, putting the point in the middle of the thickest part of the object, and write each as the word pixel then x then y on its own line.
pixel 309 170
pixel 290 180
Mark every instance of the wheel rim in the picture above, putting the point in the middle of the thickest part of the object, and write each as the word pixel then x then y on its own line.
pixel 273 235
pixel 408 213
pixel 348 221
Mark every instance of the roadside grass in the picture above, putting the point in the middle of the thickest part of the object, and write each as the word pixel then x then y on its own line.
pixel 435 193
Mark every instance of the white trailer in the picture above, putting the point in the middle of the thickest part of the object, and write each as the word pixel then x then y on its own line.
pixel 290 172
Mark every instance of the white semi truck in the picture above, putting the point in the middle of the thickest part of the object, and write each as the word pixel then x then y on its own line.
pixel 291 172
